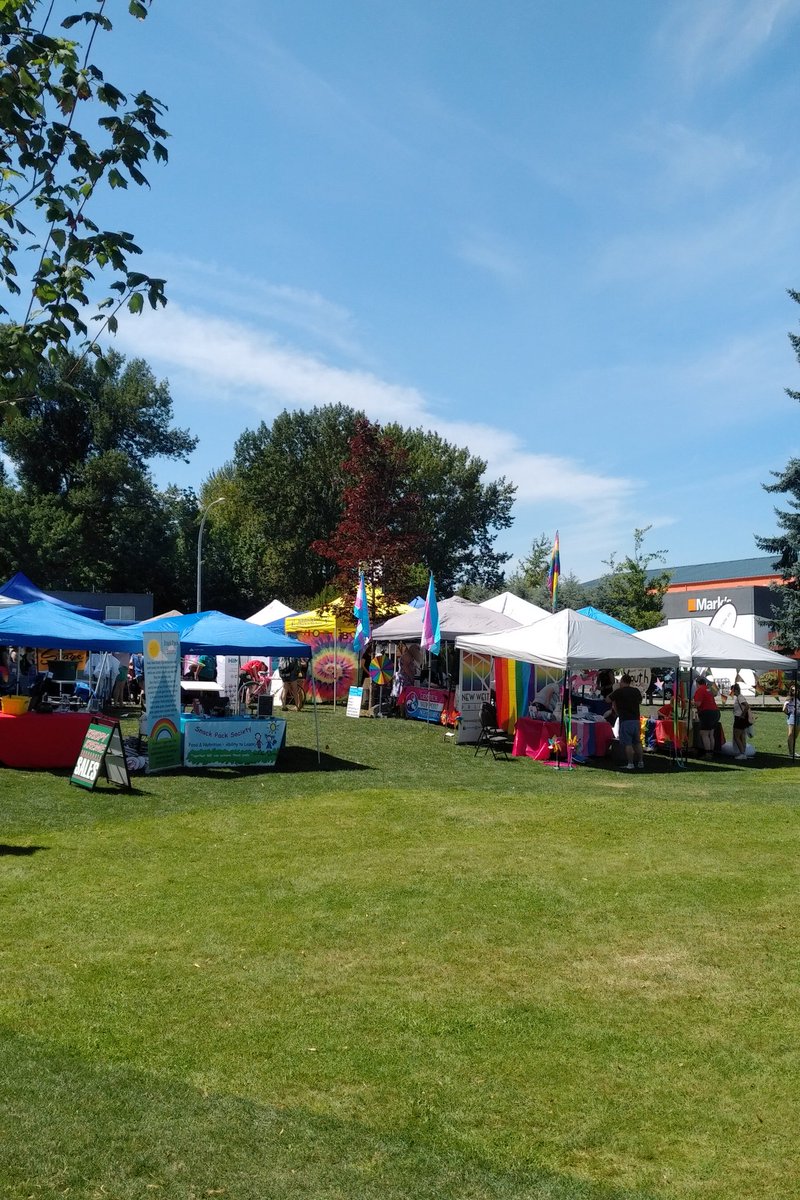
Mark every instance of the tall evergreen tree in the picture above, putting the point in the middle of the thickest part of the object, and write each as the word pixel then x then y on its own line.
pixel 785 545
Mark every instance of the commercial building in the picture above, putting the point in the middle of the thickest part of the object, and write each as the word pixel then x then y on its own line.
pixel 735 596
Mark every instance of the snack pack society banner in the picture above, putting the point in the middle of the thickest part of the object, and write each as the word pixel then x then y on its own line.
pixel 162 688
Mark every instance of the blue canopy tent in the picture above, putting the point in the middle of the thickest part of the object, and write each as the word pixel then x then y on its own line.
pixel 216 633
pixel 19 587
pixel 43 625
pixel 605 619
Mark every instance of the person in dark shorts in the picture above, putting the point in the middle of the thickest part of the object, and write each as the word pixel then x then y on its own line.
pixel 707 715
pixel 626 700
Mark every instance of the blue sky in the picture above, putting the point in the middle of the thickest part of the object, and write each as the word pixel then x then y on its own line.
pixel 558 232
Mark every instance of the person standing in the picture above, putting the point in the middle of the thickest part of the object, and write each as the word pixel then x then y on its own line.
pixel 707 715
pixel 741 719
pixel 790 708
pixel 626 701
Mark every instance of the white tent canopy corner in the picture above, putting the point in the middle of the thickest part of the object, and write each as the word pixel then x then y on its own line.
pixel 699 645
pixel 457 616
pixel 272 612
pixel 565 640
pixel 515 607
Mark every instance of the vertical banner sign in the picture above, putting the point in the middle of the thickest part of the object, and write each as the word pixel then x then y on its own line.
pixel 228 678
pixel 162 686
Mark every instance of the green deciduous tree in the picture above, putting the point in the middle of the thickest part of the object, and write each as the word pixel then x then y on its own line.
pixel 83 511
pixel 66 132
pixel 633 590
pixel 785 545
pixel 285 491
pixel 461 513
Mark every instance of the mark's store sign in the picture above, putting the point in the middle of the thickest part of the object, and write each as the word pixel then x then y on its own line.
pixel 706 604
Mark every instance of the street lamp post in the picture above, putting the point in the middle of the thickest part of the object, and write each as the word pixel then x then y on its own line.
pixel 219 500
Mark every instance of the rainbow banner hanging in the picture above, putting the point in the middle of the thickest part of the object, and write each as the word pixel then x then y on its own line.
pixel 515 688
pixel 554 572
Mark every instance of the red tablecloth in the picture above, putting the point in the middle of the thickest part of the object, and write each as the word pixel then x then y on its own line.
pixel 37 740
pixel 664 732
pixel 532 737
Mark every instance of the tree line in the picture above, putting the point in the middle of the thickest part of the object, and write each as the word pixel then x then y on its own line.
pixel 309 498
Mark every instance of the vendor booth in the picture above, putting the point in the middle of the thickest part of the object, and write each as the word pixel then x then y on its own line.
pixel 334 662
pixel 329 631
pixel 700 646
pixel 51 739
pixel 566 643
pixel 458 689
pixel 228 738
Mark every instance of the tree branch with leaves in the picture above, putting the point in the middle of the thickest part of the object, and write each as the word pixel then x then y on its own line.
pixel 56 154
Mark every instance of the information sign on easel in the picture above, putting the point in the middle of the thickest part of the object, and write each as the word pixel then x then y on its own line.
pixel 354 702
pixel 102 749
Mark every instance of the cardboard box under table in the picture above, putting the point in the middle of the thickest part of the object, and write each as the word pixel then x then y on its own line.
pixel 231 741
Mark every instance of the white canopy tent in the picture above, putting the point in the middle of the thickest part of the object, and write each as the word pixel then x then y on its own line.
pixel 565 640
pixel 8 602
pixel 516 608
pixel 699 645
pixel 272 612
pixel 457 616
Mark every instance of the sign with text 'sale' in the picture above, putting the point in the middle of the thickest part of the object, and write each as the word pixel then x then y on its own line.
pixel 102 750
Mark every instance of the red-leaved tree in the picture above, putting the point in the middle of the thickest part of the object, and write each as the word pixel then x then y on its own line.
pixel 377 531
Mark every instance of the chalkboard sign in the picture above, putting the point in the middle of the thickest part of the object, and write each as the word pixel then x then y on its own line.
pixel 102 749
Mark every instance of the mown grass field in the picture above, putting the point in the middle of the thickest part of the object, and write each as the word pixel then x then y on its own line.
pixel 415 973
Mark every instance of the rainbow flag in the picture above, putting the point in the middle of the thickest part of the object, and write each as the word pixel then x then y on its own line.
pixel 515 688
pixel 554 572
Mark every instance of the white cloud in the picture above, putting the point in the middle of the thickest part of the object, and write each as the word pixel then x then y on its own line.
pixel 711 39
pixel 490 253
pixel 293 308
pixel 761 231
pixel 693 160
pixel 254 370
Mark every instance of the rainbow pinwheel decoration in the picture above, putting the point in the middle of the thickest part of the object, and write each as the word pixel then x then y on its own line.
pixel 381 669
pixel 572 746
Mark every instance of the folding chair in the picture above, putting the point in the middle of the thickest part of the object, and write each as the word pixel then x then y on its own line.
pixel 492 736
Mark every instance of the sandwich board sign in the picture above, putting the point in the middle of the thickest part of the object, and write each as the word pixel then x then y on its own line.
pixel 354 702
pixel 102 749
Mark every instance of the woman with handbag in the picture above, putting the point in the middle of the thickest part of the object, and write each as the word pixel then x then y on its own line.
pixel 741 720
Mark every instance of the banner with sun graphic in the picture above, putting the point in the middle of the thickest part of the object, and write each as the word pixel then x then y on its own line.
pixel 162 689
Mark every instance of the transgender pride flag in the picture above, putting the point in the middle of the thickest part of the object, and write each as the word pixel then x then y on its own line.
pixel 431 633
pixel 361 613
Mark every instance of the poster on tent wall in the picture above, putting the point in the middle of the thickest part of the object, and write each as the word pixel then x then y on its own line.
pixel 474 688
pixel 334 664
pixel 162 688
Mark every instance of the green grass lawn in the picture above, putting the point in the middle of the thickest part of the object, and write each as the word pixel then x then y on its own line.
pixel 414 973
